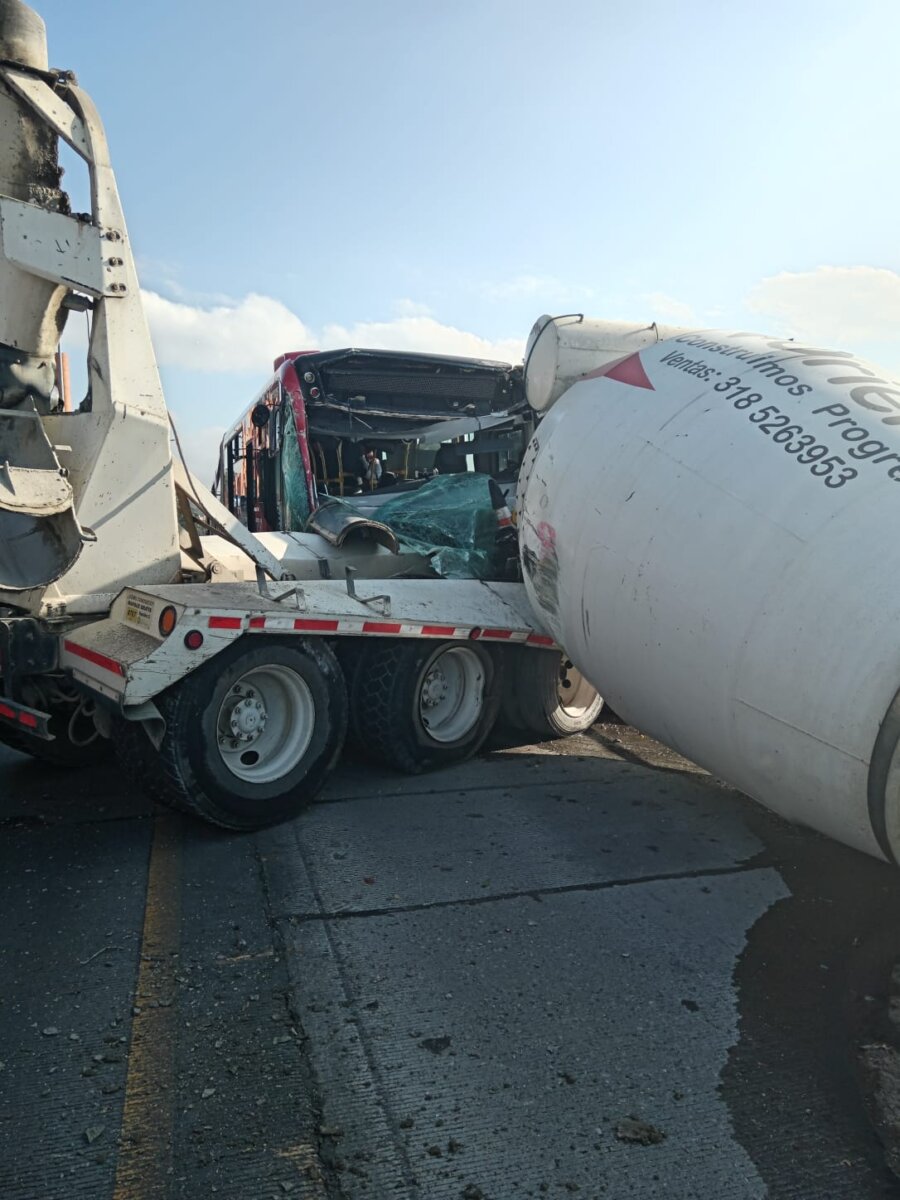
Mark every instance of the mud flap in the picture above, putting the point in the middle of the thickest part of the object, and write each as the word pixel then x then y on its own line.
pixel 40 537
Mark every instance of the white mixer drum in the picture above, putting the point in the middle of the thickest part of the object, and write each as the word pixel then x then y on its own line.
pixel 709 526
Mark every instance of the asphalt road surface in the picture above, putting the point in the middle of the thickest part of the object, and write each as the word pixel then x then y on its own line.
pixel 582 968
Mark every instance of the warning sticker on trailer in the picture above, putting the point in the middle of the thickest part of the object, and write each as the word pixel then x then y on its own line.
pixel 138 610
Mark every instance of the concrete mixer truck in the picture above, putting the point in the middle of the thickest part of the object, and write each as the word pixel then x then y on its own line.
pixel 702 524
pixel 223 664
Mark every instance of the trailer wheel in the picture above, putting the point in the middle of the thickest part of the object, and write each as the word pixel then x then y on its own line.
pixel 552 697
pixel 350 655
pixel 510 708
pixel 417 705
pixel 253 734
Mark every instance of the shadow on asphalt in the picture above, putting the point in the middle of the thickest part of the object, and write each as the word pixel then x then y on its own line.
pixel 813 987
pixel 813 982
pixel 34 793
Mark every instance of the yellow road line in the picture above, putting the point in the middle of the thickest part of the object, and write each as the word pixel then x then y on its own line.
pixel 143 1170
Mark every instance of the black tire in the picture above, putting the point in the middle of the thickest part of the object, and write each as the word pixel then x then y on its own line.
pixel 139 759
pixel 190 773
pixel 386 694
pixel 537 688
pixel 350 654
pixel 510 709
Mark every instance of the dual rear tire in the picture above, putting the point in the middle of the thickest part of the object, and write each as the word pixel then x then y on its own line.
pixel 547 695
pixel 250 737
pixel 416 705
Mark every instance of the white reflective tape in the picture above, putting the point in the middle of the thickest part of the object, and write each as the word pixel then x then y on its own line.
pixel 385 627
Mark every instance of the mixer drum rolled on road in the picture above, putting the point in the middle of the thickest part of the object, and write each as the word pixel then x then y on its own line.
pixel 708 524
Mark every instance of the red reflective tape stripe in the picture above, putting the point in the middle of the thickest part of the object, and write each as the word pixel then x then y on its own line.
pixel 99 660
pixel 225 622
pixel 538 639
pixel 501 634
pixel 438 630
pixel 257 622
pixel 381 627
pixel 311 624
pixel 24 718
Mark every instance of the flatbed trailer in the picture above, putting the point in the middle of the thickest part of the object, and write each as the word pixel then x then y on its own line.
pixel 235 704
pixel 258 686
pixel 224 666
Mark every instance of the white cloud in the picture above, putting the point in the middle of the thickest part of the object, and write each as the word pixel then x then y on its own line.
pixel 242 336
pixel 247 335
pixel 840 305
pixel 423 335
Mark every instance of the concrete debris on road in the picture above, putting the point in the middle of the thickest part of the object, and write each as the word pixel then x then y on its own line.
pixel 591 970
pixel 638 1133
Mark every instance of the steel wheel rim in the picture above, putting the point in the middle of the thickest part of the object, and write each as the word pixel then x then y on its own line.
pixel 576 695
pixel 265 724
pixel 451 694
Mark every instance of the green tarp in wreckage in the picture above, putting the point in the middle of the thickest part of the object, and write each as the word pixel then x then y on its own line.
pixel 294 497
pixel 451 518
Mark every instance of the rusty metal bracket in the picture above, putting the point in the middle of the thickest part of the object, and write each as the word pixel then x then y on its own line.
pixel 381 604
pixel 295 593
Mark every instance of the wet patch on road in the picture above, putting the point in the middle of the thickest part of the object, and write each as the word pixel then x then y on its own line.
pixel 512 978
pixel 813 986
pixel 494 979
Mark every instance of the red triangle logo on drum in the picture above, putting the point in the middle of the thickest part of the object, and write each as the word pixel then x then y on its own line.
pixel 628 370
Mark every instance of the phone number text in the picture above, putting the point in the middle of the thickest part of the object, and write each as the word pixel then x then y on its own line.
pixel 793 439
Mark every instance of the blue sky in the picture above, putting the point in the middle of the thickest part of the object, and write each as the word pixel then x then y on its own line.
pixel 297 173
